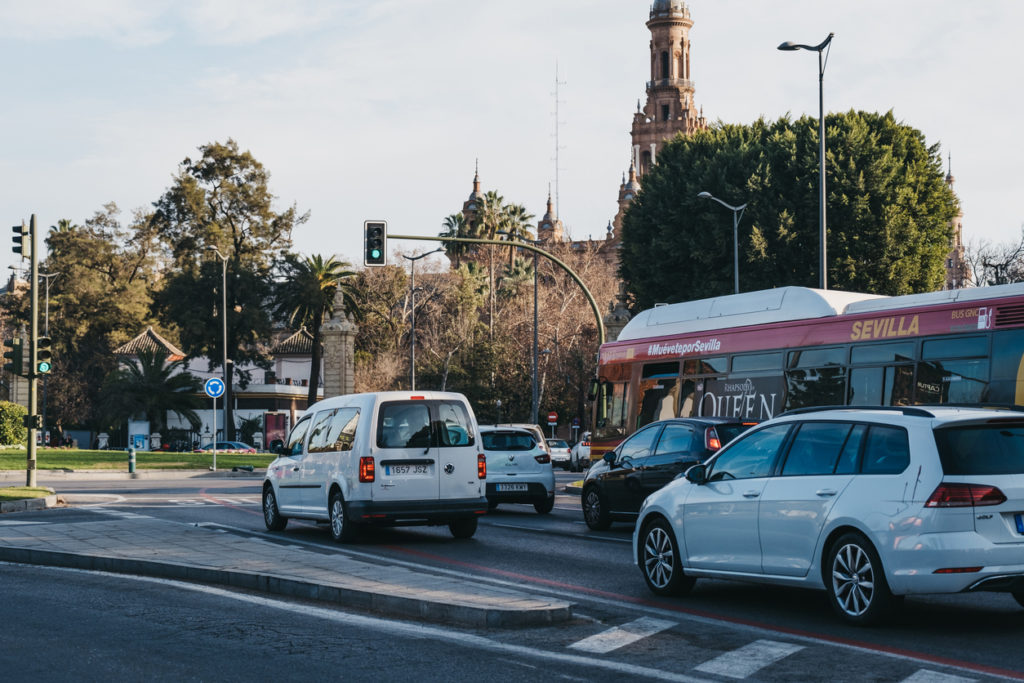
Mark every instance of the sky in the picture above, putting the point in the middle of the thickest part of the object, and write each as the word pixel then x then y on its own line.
pixel 380 109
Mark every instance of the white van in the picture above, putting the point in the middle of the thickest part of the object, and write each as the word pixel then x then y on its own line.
pixel 392 458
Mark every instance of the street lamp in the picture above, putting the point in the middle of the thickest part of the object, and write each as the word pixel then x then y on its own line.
pixel 737 213
pixel 224 322
pixel 822 60
pixel 412 336
pixel 535 396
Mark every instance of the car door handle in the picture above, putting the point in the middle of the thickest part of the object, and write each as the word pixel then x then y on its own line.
pixel 751 494
pixel 825 493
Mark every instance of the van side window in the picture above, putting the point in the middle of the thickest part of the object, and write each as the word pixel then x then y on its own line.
pixel 456 429
pixel 335 430
pixel 293 446
pixel 404 424
pixel 886 452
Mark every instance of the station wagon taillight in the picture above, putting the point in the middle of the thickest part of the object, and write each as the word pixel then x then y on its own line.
pixel 711 440
pixel 367 469
pixel 481 466
pixel 964 496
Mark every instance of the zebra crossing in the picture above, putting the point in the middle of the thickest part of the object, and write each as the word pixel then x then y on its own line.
pixel 753 659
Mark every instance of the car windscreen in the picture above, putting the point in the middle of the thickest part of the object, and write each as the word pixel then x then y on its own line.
pixel 982 449
pixel 507 441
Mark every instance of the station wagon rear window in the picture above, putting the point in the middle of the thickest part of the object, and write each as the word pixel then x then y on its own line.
pixel 982 449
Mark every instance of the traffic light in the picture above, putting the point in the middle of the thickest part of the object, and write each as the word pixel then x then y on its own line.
pixel 43 356
pixel 14 355
pixel 375 243
pixel 21 245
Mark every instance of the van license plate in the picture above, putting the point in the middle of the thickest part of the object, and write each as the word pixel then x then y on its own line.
pixel 514 487
pixel 1020 523
pixel 405 469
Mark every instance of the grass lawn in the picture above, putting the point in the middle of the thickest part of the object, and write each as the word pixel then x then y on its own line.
pixel 22 492
pixel 70 459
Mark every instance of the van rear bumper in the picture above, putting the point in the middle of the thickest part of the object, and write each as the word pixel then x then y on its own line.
pixel 404 512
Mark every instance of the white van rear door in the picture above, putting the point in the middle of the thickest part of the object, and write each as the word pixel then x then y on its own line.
pixel 457 451
pixel 406 460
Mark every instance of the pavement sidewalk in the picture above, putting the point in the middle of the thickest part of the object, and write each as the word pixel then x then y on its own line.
pixel 124 542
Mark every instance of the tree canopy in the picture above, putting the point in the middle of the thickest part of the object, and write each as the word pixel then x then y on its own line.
pixel 888 210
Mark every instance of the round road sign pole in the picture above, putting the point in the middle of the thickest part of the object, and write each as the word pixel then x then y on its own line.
pixel 214 468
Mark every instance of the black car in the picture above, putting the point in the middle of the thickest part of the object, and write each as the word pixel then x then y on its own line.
pixel 651 457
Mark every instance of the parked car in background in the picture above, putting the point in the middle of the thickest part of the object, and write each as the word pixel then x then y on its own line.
pixel 560 456
pixel 227 447
pixel 868 504
pixel 579 456
pixel 535 430
pixel 518 468
pixel 651 457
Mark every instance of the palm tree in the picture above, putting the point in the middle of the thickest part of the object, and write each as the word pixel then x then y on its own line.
pixel 516 222
pixel 151 386
pixel 455 226
pixel 306 298
pixel 63 225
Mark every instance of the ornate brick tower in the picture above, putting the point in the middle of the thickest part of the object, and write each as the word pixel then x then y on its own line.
pixel 958 271
pixel 670 108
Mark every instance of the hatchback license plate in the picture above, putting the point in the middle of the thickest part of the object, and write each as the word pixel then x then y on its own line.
pixel 1020 523
pixel 514 487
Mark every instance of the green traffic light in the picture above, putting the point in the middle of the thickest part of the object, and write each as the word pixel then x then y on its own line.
pixel 375 253
pixel 44 366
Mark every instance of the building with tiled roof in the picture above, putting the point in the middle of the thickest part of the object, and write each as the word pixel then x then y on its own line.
pixel 149 340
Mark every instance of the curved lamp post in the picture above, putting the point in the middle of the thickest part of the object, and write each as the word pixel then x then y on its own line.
pixel 737 213
pixel 412 336
pixel 822 60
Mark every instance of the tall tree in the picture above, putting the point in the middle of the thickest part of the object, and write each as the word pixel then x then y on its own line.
pixel 455 226
pixel 222 201
pixel 889 210
pixel 305 297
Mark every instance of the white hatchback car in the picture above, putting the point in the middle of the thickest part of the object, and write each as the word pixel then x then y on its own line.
pixel 560 455
pixel 518 468
pixel 866 503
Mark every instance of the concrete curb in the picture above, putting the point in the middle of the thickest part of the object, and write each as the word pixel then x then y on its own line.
pixel 72 475
pixel 395 605
pixel 27 504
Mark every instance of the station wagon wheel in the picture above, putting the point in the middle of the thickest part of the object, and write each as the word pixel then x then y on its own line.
pixel 660 560
pixel 271 515
pixel 856 583
pixel 342 529
pixel 595 511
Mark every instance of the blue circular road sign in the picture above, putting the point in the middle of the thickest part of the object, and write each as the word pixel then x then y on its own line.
pixel 214 387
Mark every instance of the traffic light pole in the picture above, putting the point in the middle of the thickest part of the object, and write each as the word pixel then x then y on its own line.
pixel 30 467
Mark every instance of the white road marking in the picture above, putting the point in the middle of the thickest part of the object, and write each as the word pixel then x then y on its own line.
pixel 19 523
pixel 926 676
pixel 620 636
pixel 748 659
pixel 412 630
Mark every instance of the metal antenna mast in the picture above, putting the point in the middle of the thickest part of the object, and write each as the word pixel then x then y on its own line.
pixel 558 147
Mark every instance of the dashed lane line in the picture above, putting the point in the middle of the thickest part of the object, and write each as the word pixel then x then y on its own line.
pixel 620 636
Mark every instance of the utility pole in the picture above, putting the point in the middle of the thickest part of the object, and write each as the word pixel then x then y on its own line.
pixel 33 407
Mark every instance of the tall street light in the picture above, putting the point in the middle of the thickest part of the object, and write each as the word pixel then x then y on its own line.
pixel 822 60
pixel 535 394
pixel 412 336
pixel 737 214
pixel 224 321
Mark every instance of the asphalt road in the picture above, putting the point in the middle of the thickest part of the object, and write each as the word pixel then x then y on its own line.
pixel 966 637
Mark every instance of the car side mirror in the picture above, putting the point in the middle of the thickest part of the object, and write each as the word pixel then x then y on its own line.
pixel 698 474
pixel 609 458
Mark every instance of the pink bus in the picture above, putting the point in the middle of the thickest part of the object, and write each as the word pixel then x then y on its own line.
pixel 758 354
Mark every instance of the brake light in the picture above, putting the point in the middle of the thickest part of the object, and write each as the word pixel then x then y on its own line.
pixel 965 496
pixel 711 439
pixel 587 444
pixel 542 459
pixel 367 469
pixel 481 466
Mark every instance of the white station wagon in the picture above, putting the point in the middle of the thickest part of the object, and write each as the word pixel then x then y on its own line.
pixel 390 458
pixel 866 503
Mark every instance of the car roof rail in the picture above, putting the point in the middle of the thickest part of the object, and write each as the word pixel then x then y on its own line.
pixel 979 406
pixel 906 410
